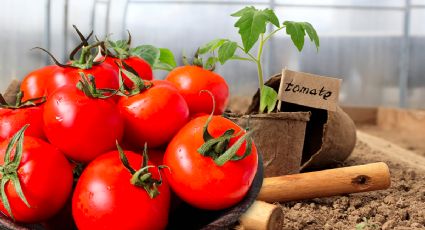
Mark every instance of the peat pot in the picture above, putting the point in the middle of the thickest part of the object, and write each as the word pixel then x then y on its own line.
pixel 279 137
pixel 330 136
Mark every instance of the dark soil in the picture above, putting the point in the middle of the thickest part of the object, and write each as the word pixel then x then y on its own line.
pixel 402 206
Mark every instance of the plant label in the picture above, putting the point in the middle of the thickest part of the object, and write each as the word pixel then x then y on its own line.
pixel 309 90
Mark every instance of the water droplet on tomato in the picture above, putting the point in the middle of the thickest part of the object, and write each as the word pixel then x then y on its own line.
pixel 59 118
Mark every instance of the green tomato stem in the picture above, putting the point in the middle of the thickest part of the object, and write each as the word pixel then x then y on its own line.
pixel 251 57
pixel 85 52
pixel 272 33
pixel 260 68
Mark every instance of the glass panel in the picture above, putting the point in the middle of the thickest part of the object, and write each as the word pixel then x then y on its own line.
pixel 379 3
pixel 418 2
pixel 18 35
pixel 416 82
pixel 200 1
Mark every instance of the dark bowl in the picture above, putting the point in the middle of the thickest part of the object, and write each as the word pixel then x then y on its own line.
pixel 185 216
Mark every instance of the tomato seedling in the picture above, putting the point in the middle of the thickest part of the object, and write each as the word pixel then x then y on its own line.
pixel 252 25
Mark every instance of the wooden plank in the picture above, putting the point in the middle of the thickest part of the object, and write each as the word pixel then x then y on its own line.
pixel 406 121
pixel 392 150
pixel 362 115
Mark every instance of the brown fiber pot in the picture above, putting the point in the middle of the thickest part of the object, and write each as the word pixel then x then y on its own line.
pixel 279 137
pixel 330 137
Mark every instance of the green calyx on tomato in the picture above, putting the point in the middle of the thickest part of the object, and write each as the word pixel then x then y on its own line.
pixel 158 58
pixel 9 170
pixel 142 177
pixel 86 59
pixel 198 61
pixel 217 148
pixel 87 84
pixel 139 85
pixel 118 49
pixel 19 103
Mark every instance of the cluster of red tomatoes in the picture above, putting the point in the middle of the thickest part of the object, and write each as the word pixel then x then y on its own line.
pixel 104 119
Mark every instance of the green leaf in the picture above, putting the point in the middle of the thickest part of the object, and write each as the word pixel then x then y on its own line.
pixel 253 22
pixel 312 34
pixel 121 44
pixel 149 53
pixel 268 99
pixel 297 31
pixel 166 60
pixel 236 57
pixel 120 48
pixel 272 17
pixel 226 51
pixel 211 46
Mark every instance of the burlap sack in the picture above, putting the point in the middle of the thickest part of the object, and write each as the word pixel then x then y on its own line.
pixel 330 136
pixel 279 137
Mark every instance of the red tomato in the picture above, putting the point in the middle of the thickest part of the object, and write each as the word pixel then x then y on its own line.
pixel 142 68
pixel 104 74
pixel 33 85
pixel 105 199
pixel 80 126
pixel 164 82
pixel 153 116
pixel 197 179
pixel 156 156
pixel 12 120
pixel 46 180
pixel 190 80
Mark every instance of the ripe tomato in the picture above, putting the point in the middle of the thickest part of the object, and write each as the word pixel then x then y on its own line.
pixel 156 156
pixel 197 179
pixel 190 80
pixel 142 68
pixel 12 120
pixel 80 126
pixel 33 85
pixel 153 116
pixel 45 177
pixel 105 199
pixel 104 74
pixel 164 82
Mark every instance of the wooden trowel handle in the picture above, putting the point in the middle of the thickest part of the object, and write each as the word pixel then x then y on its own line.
pixel 326 183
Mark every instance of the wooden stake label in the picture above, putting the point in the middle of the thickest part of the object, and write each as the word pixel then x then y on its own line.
pixel 309 90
